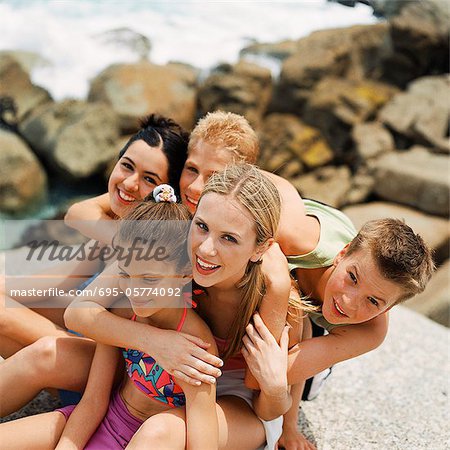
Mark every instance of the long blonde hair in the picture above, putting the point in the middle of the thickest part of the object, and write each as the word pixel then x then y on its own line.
pixel 245 184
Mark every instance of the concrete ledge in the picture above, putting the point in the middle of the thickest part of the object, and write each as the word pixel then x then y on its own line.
pixel 395 397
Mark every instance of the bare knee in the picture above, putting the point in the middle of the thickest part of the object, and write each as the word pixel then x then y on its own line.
pixel 39 357
pixel 157 431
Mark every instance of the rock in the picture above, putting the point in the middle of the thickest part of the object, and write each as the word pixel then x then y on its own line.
pixel 244 88
pixel 395 397
pixel 288 134
pixel 353 52
pixel 16 83
pixel 421 114
pixel 27 60
pixel 363 182
pixel 136 90
pixel 371 140
pixel 127 39
pixel 75 138
pixel 420 41
pixel 417 178
pixel 337 104
pixel 23 181
pixel 434 230
pixel 278 50
pixel 328 184
pixel 434 302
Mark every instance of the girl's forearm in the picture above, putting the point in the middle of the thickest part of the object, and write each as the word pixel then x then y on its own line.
pixel 82 424
pixel 269 406
pixel 97 323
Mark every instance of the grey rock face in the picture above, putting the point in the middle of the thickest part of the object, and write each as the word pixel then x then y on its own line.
pixel 417 178
pixel 23 181
pixel 422 113
pixel 371 140
pixel 434 230
pixel 136 90
pixel 16 83
pixel 73 137
pixel 328 184
pixel 244 88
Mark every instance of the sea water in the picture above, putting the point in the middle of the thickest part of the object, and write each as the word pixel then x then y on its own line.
pixel 67 33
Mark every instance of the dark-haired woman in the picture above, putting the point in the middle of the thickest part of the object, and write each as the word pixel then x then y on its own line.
pixel 154 155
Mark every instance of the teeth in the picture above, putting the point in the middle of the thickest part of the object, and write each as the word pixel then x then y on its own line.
pixel 127 198
pixel 204 265
pixel 194 202
pixel 339 309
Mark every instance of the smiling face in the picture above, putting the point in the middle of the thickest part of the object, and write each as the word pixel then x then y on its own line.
pixel 152 285
pixel 222 240
pixel 356 291
pixel 203 160
pixel 135 175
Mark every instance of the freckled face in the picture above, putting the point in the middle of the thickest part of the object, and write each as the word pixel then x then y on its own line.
pixel 223 241
pixel 356 290
pixel 203 160
pixel 135 175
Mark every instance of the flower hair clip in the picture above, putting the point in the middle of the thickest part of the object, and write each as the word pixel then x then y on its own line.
pixel 164 193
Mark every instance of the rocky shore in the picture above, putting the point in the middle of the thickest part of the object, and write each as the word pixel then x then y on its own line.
pixel 357 118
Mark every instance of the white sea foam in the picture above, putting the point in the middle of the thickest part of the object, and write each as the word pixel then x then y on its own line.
pixel 201 33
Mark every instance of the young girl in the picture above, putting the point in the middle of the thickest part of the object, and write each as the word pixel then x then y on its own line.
pixel 153 287
pixel 233 227
pixel 154 155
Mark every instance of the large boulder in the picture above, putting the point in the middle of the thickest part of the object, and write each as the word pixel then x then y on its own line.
pixel 434 230
pixel 23 181
pixel 15 82
pixel 422 113
pixel 75 138
pixel 371 139
pixel 244 88
pixel 285 138
pixel 337 105
pixel 353 52
pixel 417 178
pixel 327 184
pixel 136 90
pixel 420 41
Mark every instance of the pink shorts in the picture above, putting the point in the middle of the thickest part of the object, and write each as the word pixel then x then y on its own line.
pixel 116 429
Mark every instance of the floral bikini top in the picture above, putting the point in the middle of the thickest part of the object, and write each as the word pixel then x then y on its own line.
pixel 150 378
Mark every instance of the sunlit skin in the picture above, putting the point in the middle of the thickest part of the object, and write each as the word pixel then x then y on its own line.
pixel 137 277
pixel 222 240
pixel 354 290
pixel 203 160
pixel 135 175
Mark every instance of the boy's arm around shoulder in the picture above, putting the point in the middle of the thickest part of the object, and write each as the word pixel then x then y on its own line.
pixel 93 406
pixel 311 356
pixel 201 414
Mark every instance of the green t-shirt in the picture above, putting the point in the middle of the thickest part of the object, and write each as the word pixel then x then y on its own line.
pixel 336 231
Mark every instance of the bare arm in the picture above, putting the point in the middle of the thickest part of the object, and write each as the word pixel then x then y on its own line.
pixel 93 218
pixel 93 406
pixel 297 233
pixel 201 408
pixel 181 354
pixel 274 306
pixel 268 362
pixel 314 355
